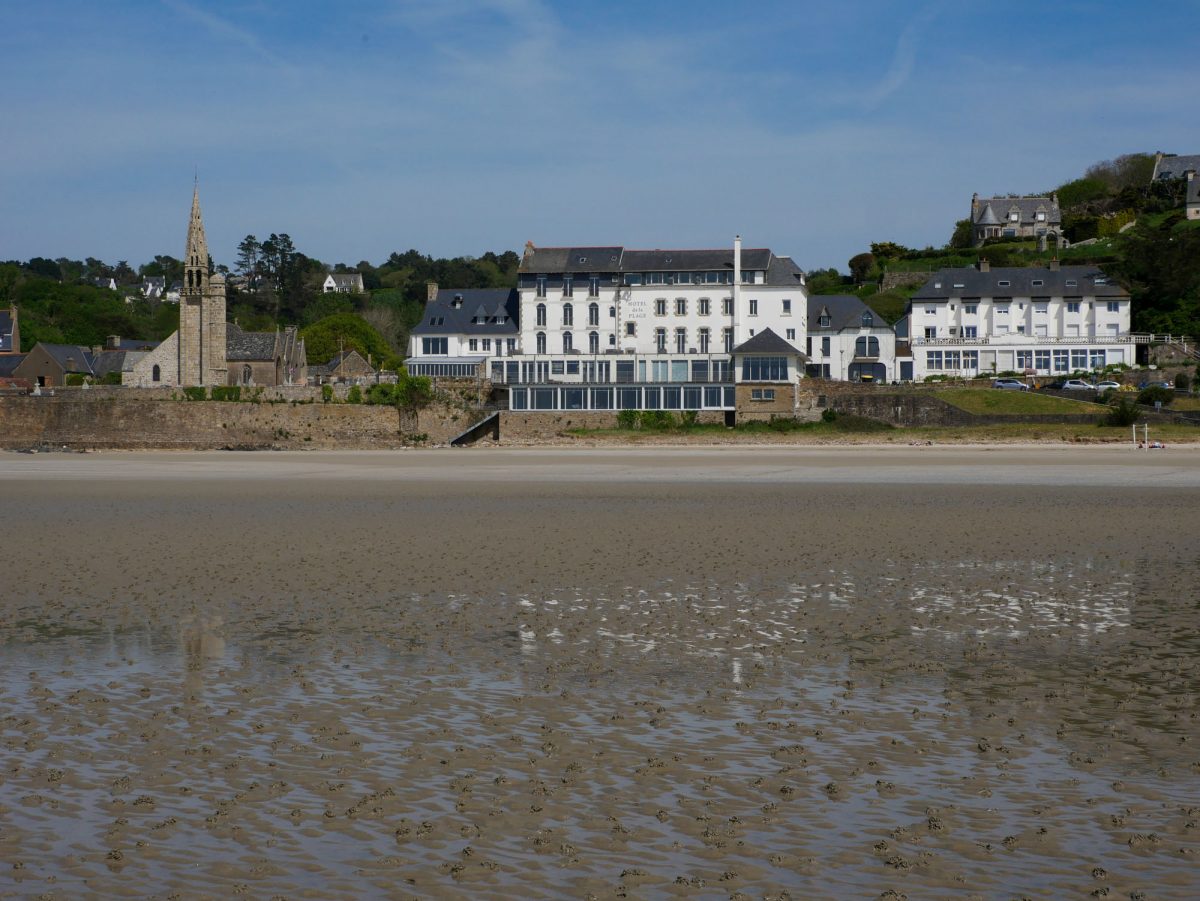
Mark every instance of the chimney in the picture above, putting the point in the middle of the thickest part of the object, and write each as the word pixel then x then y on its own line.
pixel 113 342
pixel 737 284
pixel 985 265
pixel 1054 264
pixel 431 289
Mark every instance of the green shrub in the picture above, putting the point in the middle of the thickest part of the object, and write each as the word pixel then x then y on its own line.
pixel 354 395
pixel 227 393
pixel 1124 412
pixel 687 419
pixel 829 415
pixel 75 379
pixel 1182 382
pixel 196 392
pixel 383 395
pixel 628 419
pixel 326 393
pixel 1155 393
pixel 656 420
pixel 111 378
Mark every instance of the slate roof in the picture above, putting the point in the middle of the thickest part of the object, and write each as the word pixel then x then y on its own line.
pixel 133 344
pixel 9 362
pixel 114 361
pixel 69 357
pixel 1174 166
pixel 242 345
pixel 347 279
pixel 845 311
pixel 943 284
pixel 1000 207
pixel 551 260
pixel 452 312
pixel 767 342
pixel 1193 191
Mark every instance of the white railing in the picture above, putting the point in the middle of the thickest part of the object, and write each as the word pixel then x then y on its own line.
pixel 1030 340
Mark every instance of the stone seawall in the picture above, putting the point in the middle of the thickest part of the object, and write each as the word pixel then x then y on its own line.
pixel 82 420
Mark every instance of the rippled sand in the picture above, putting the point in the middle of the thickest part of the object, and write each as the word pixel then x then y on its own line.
pixel 543 674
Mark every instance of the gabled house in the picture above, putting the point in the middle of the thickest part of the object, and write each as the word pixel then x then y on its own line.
pixel 10 332
pixel 154 287
pixel 105 282
pixel 345 366
pixel 1015 217
pixel 1193 195
pixel 343 283
pixel 848 341
pixel 48 365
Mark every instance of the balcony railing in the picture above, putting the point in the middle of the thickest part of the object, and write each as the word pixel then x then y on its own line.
pixel 1017 338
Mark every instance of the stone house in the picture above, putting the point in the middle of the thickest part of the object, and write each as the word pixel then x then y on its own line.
pixel 48 365
pixel 345 366
pixel 1015 217
pixel 10 332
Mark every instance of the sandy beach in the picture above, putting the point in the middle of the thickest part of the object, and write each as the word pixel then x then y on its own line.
pixel 658 672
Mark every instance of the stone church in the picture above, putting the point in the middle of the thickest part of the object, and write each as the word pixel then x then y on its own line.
pixel 200 352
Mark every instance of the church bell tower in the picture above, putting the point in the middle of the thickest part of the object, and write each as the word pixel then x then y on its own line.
pixel 201 311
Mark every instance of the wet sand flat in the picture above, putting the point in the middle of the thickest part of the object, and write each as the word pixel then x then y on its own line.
pixel 728 672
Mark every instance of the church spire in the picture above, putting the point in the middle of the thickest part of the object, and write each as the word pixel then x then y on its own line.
pixel 195 261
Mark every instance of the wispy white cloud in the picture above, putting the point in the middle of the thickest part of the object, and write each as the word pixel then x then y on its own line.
pixel 226 30
pixel 904 57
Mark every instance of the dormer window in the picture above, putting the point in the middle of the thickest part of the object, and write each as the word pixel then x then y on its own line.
pixel 1003 283
pixel 1100 280
pixel 1041 217
pixel 583 260
pixel 868 321
pixel 1014 217
pixel 1037 283
pixel 1072 283
pixel 823 321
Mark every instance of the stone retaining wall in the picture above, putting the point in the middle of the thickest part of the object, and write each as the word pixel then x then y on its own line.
pixel 90 420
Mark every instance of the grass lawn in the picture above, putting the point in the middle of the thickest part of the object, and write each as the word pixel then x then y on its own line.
pixel 1184 404
pixel 998 402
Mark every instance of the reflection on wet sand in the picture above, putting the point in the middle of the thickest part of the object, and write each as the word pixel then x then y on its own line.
pixel 838 719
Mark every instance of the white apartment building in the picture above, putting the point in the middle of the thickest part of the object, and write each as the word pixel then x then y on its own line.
pixel 603 328
pixel 1039 320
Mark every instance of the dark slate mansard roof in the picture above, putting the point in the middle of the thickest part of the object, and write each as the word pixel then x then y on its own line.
pixel 485 303
pixel 1020 278
pixel 780 270
pixel 845 312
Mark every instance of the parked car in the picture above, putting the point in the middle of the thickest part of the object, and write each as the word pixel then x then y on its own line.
pixel 1010 384
pixel 1077 385
pixel 1054 386
pixel 1170 386
pixel 1108 385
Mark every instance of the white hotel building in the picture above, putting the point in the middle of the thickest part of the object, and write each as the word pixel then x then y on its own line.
pixel 1049 320
pixel 604 328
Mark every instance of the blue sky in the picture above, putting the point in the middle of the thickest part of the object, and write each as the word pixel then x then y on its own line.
pixel 366 126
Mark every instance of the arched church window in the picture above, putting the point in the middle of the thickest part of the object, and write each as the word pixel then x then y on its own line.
pixel 156 373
